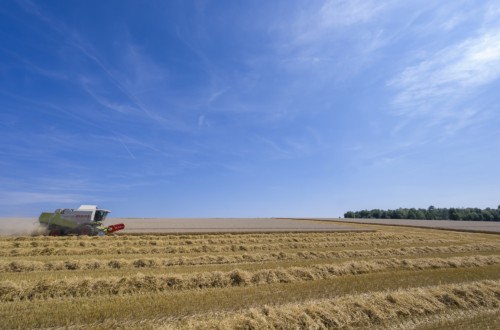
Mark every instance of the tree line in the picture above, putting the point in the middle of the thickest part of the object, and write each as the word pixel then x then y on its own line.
pixel 431 213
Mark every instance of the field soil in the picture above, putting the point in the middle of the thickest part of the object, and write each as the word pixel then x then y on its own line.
pixel 472 226
pixel 218 225
pixel 26 226
pixel 384 278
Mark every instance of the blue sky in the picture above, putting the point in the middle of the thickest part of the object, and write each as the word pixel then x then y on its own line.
pixel 248 108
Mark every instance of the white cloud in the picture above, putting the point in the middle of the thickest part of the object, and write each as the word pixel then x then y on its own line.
pixel 348 12
pixel 463 119
pixel 453 22
pixel 215 95
pixel 300 145
pixel 319 26
pixel 120 107
pixel 448 75
pixel 201 121
pixel 333 41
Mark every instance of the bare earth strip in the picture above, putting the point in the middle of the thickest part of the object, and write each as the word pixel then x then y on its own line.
pixel 232 225
pixel 470 226
pixel 24 226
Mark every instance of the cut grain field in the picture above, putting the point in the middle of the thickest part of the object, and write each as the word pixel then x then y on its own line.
pixel 384 277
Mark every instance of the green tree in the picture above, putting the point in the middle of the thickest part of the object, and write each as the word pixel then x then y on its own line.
pixel 376 213
pixel 431 213
pixel 421 214
pixel 349 215
pixel 454 214
pixel 412 214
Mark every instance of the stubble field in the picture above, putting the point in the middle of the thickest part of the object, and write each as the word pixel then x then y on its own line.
pixel 394 277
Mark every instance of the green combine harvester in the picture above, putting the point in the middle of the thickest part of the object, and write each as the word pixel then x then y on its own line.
pixel 85 220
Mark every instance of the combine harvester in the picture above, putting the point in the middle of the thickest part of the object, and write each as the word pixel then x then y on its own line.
pixel 85 220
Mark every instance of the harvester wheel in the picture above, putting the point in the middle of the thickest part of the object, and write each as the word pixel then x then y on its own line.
pixel 55 232
pixel 86 231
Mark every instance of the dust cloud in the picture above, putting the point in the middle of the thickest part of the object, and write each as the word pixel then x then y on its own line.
pixel 20 227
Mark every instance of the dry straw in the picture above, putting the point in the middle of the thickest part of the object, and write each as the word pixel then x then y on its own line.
pixel 360 311
pixel 211 259
pixel 83 287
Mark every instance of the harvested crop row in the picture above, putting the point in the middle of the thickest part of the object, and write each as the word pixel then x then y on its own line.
pixel 161 243
pixel 84 287
pixel 81 312
pixel 176 237
pixel 171 239
pixel 454 319
pixel 366 310
pixel 29 266
pixel 84 250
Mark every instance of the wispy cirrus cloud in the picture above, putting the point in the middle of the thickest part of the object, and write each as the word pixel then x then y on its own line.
pixel 128 79
pixel 438 85
pixel 365 22
pixel 448 74
pixel 345 12
pixel 112 104
pixel 326 43
pixel 316 22
pixel 33 197
pixel 301 145
pixel 216 94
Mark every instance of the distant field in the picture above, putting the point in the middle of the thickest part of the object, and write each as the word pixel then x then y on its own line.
pixel 217 225
pixel 391 278
pixel 474 226
pixel 25 226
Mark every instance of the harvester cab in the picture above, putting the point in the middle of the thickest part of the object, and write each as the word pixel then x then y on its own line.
pixel 85 220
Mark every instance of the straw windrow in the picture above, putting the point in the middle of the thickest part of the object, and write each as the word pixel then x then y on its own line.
pixel 275 280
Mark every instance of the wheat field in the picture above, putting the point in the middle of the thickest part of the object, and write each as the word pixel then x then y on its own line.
pixel 391 278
